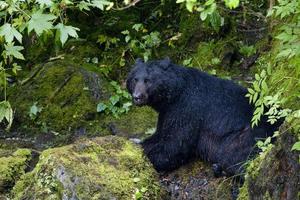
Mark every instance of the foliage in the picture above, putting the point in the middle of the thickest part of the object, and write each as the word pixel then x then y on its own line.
pixel 6 112
pixel 296 146
pixel 209 10
pixel 118 103
pixel 247 50
pixel 140 42
pixel 276 99
pixel 289 35
pixel 34 17
pixel 107 41
pixel 258 96
pixel 34 110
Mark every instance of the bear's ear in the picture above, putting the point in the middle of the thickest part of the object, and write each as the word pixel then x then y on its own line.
pixel 139 61
pixel 165 62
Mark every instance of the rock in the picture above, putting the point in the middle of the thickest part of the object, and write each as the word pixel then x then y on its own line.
pixel 63 93
pixel 275 173
pixel 108 167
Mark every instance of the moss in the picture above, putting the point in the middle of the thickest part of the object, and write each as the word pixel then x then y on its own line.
pixel 64 91
pixel 277 163
pixel 137 121
pixel 209 57
pixel 100 168
pixel 6 149
pixel 12 167
pixel 39 49
pixel 188 25
pixel 243 192
pixel 68 91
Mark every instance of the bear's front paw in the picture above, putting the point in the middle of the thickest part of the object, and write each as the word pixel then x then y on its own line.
pixel 217 169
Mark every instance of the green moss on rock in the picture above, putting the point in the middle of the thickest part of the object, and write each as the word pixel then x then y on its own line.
pixel 136 122
pixel 275 175
pixel 66 94
pixel 100 168
pixel 12 167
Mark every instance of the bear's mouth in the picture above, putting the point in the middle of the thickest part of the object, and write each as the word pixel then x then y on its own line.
pixel 139 101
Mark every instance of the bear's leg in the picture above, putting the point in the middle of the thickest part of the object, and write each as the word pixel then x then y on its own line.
pixel 168 152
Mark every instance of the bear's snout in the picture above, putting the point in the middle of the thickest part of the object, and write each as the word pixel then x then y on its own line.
pixel 139 95
pixel 139 99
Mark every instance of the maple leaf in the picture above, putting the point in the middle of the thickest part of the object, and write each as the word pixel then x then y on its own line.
pixel 65 32
pixel 9 32
pixel 11 50
pixel 40 22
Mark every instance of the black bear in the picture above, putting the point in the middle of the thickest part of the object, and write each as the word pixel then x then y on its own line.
pixel 199 116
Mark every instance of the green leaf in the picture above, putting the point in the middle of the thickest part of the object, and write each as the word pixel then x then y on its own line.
pixel 232 3
pixel 137 27
pixel 126 32
pixel 101 107
pixel 264 85
pixel 40 22
pixel 11 50
pixel 296 146
pixel 255 97
pixel 285 53
pixel 83 6
pixel 251 91
pixel 101 4
pixel 44 3
pixel 6 112
pixel 66 31
pixel 209 2
pixel 16 68
pixel 9 33
pixel 203 15
pixel 34 110
pixel 126 106
pixel 114 99
pixel 256 86
pixel 190 5
pixel 127 38
pixel 3 5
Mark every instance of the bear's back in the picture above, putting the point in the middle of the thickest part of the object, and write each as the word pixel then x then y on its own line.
pixel 220 103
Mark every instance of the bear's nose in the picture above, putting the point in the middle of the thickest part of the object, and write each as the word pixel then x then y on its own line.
pixel 137 96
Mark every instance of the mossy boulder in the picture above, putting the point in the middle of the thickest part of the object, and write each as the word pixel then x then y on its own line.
pixel 12 167
pixel 108 167
pixel 63 95
pixel 275 173
pixel 57 101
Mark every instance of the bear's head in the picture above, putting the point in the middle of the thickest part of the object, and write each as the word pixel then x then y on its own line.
pixel 152 82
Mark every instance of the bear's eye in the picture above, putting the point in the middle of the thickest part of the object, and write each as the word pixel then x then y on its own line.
pixel 135 80
pixel 146 80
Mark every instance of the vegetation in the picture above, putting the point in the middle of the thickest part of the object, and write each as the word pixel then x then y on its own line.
pixel 62 76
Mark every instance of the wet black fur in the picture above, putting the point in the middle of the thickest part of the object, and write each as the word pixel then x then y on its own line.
pixel 200 116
